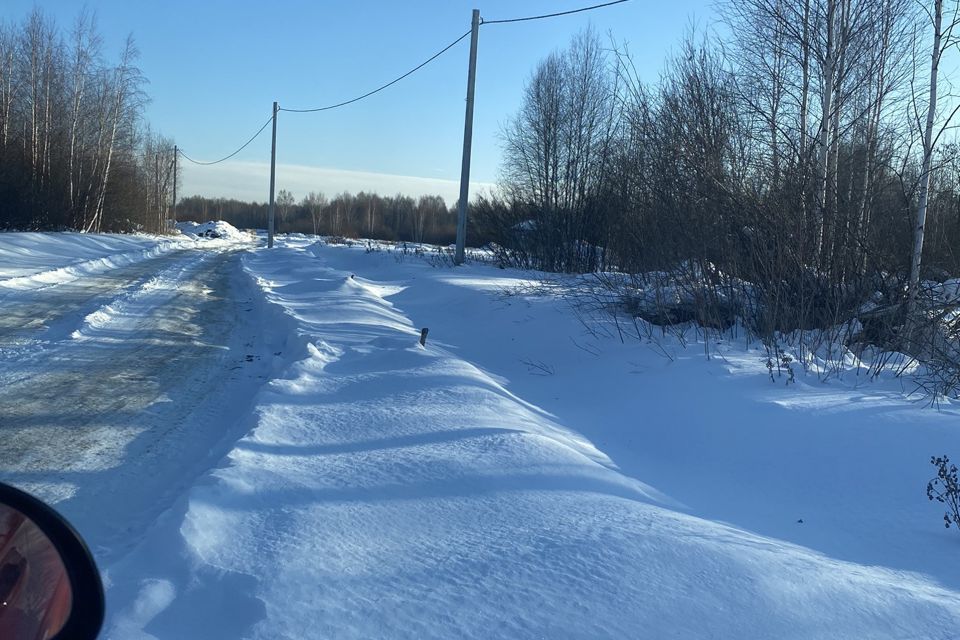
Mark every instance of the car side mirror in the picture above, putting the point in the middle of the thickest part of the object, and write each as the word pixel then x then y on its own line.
pixel 50 587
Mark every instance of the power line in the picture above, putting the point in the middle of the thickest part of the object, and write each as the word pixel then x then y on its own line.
pixel 242 147
pixel 392 82
pixel 553 15
pixel 397 79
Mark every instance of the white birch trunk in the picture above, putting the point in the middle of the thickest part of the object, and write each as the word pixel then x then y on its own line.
pixel 921 220
pixel 829 63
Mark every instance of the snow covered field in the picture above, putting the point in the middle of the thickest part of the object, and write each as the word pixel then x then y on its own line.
pixel 255 445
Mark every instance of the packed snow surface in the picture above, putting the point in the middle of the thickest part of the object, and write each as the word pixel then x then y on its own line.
pixel 31 259
pixel 289 462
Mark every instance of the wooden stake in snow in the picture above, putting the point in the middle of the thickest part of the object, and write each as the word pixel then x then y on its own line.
pixel 423 336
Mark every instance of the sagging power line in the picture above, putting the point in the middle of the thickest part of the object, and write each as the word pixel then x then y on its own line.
pixel 552 15
pixel 242 147
pixel 382 87
pixel 178 151
pixel 395 80
pixel 476 22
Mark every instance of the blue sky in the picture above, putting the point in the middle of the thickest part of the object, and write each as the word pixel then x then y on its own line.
pixel 216 66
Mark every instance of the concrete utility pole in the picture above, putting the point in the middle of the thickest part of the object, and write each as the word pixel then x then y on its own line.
pixel 273 179
pixel 156 191
pixel 467 141
pixel 175 154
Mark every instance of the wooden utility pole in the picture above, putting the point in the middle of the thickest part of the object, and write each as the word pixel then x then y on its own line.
pixel 467 141
pixel 273 179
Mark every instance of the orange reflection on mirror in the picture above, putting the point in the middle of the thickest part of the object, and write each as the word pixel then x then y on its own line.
pixel 35 597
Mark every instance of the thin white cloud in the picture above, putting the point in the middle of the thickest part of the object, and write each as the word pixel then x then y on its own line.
pixel 251 181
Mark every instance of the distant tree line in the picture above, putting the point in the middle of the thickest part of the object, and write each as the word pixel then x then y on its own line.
pixel 74 150
pixel 792 173
pixel 367 215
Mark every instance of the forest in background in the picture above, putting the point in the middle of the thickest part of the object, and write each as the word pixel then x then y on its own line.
pixel 364 215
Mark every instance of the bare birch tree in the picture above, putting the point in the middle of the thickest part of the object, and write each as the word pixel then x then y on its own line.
pixel 315 202
pixel 943 39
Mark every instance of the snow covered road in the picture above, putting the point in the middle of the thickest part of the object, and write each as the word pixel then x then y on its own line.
pixel 118 390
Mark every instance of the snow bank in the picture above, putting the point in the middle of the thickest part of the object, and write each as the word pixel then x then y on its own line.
pixel 213 229
pixel 35 259
pixel 390 490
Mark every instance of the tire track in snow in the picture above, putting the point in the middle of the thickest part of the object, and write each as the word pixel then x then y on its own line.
pixel 113 420
pixel 34 317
